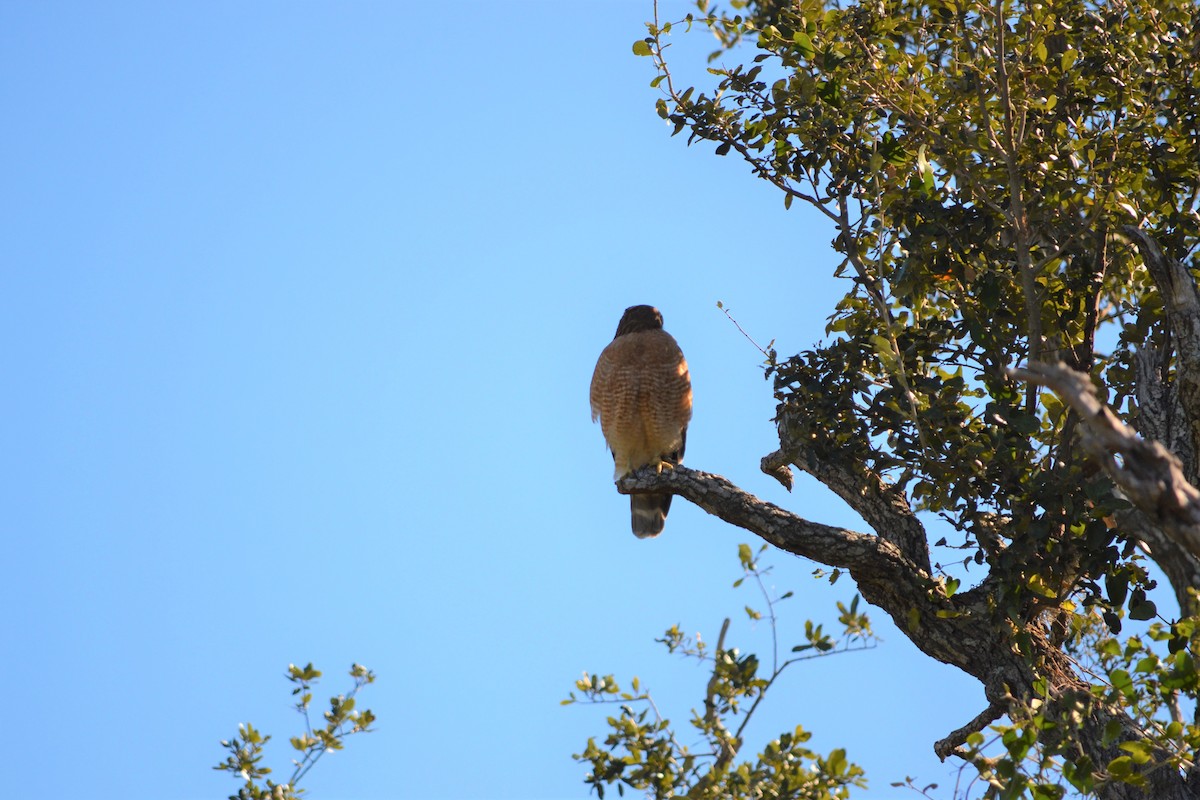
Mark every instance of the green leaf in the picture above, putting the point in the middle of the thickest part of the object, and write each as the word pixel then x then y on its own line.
pixel 1121 768
pixel 924 170
pixel 1047 791
pixel 1117 587
pixel 804 45
pixel 1140 751
pixel 1143 610
pixel 642 48
pixel 1122 682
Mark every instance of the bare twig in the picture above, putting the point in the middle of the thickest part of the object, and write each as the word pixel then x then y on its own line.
pixel 710 708
pixel 742 330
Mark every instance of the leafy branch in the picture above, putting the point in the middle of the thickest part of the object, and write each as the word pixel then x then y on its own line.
pixel 643 752
pixel 341 720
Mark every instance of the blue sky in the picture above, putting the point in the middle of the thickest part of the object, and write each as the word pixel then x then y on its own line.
pixel 301 303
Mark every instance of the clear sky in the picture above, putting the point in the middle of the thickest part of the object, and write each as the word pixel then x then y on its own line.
pixel 299 303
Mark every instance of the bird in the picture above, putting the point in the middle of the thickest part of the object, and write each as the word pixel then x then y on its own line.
pixel 641 392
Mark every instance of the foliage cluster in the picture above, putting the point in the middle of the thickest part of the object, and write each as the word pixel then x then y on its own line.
pixel 643 750
pixel 341 720
pixel 992 172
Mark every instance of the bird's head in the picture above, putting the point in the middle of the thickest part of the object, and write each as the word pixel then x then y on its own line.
pixel 639 318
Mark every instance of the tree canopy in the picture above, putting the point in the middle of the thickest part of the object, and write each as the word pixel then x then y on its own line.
pixel 1009 394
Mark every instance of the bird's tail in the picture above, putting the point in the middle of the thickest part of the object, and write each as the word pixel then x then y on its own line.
pixel 649 513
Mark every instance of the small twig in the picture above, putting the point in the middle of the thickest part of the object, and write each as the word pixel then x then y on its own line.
pixel 722 133
pixel 771 618
pixel 763 691
pixel 872 285
pixel 749 338
pixel 710 708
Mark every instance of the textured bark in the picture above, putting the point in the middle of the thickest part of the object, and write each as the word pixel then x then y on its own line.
pixel 1180 566
pixel 1181 300
pixel 1163 415
pixel 883 507
pixel 887 578
pixel 1160 414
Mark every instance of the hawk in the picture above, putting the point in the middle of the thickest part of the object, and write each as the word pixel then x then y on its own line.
pixel 642 394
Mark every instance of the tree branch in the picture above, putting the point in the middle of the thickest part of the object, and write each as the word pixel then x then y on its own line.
pixel 1017 214
pixel 1181 567
pixel 1181 300
pixel 1160 414
pixel 834 547
pixel 941 626
pixel 778 466
pixel 945 748
pixel 884 507
pixel 1149 475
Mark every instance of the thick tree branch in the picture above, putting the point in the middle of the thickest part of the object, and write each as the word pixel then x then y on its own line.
pixel 825 544
pixel 1181 296
pixel 1181 567
pixel 1148 474
pixel 884 507
pixel 937 624
pixel 1181 299
pixel 1160 414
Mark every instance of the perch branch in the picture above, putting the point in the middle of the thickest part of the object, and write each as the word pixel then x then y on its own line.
pixel 829 545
